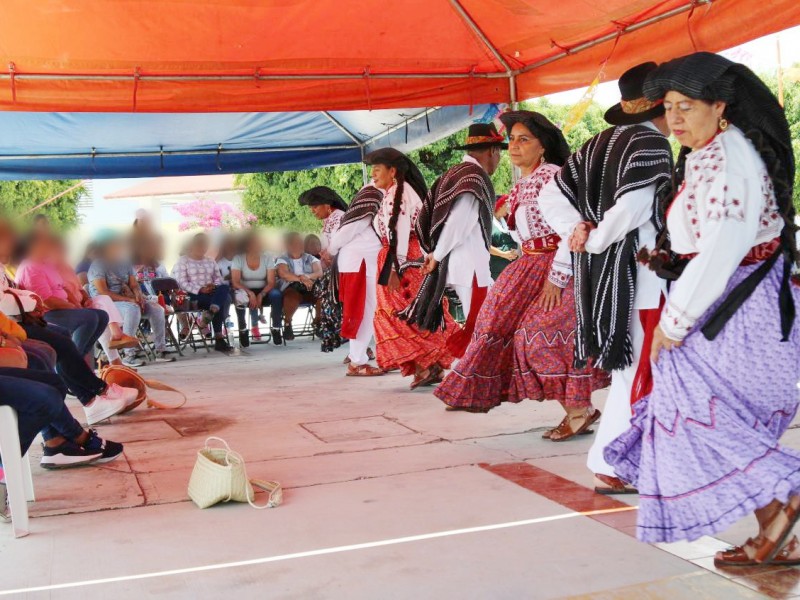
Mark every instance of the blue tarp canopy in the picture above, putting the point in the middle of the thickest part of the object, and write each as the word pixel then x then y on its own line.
pixel 40 145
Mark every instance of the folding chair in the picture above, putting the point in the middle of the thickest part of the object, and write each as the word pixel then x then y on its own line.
pixel 168 286
pixel 308 328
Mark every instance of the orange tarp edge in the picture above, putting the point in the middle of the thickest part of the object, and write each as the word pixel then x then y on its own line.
pixel 302 55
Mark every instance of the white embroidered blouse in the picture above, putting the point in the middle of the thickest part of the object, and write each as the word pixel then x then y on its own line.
pixel 329 227
pixel 530 224
pixel 409 213
pixel 726 207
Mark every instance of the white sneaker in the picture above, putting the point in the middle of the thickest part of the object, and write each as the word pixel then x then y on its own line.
pixel 132 361
pixel 113 402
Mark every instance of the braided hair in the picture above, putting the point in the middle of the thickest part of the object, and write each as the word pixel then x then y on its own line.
pixel 397 205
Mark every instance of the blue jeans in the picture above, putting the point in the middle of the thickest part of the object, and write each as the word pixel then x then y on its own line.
pixel 274 300
pixel 80 379
pixel 36 404
pixel 221 298
pixel 62 423
pixel 85 325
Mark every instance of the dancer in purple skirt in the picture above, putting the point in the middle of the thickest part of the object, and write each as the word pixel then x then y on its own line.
pixel 523 343
pixel 703 448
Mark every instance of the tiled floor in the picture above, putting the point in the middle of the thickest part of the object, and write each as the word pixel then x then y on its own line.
pixel 386 496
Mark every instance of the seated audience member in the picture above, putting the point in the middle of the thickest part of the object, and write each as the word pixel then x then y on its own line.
pixel 41 224
pixel 228 249
pixel 147 265
pixel 82 268
pixel 199 276
pixel 112 275
pixel 253 274
pixel 313 245
pixel 46 273
pixel 100 400
pixel 297 271
pixel 66 443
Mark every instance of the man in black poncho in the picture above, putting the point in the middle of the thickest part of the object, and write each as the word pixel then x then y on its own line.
pixel 605 200
pixel 455 228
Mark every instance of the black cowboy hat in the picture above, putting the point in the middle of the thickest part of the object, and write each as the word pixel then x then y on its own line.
pixel 483 135
pixel 634 107
pixel 556 149
pixel 320 195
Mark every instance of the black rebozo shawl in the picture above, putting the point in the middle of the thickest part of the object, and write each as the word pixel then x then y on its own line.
pixel 617 161
pixel 367 203
pixel 426 310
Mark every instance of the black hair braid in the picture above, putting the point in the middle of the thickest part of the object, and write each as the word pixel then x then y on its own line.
pixel 397 204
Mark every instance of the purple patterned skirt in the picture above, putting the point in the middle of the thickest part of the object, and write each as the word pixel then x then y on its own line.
pixel 518 351
pixel 703 447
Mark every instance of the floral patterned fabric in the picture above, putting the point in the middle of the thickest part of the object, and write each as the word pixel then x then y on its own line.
pixel 518 351
pixel 400 345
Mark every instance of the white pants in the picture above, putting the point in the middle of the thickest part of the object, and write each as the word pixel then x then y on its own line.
pixel 464 294
pixel 360 345
pixel 617 412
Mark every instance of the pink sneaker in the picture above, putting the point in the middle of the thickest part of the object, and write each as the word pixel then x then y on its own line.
pixel 255 332
pixel 114 401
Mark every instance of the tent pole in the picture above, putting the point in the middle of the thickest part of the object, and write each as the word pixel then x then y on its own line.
pixel 341 127
pixel 613 36
pixel 465 16
pixel 393 128
pixel 158 153
pixel 364 176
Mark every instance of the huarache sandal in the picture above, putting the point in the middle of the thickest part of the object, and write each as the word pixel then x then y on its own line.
pixel 546 435
pixel 564 431
pixel 427 377
pixel 363 371
pixel 609 486
pixel 743 556
pixel 778 531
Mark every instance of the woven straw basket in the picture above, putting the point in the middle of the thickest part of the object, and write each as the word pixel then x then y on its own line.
pixel 219 475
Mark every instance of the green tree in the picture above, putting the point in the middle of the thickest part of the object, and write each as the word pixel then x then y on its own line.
pixel 18 197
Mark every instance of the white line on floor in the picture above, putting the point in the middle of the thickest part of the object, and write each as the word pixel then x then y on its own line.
pixel 310 553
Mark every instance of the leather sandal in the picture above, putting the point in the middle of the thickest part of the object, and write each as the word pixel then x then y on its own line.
pixel 363 371
pixel 564 430
pixel 370 354
pixel 778 531
pixel 609 486
pixel 546 435
pixel 743 556
pixel 421 380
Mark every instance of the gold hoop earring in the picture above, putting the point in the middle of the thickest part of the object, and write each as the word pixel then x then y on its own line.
pixel 723 123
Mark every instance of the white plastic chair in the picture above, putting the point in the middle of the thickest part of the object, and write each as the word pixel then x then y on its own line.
pixel 19 483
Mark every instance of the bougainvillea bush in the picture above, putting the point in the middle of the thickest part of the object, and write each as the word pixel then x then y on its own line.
pixel 210 215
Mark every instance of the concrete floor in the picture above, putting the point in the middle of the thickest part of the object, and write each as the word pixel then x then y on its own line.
pixel 387 495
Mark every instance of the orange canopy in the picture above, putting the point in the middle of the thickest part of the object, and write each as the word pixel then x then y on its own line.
pixel 302 55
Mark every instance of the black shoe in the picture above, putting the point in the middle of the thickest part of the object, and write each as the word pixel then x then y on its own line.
pixel 68 454
pixel 222 345
pixel 277 336
pixel 110 450
pixel 244 338
pixel 288 334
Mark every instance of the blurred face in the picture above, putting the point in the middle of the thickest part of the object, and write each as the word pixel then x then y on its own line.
pixel 40 249
pixel 383 176
pixel 692 122
pixel 321 211
pixel 199 247
pixel 524 148
pixel 7 240
pixel 502 212
pixel 114 251
pixel 295 246
pixel 313 245
pixel 254 246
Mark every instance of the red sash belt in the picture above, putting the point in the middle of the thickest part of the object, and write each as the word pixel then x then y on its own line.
pixel 756 255
pixel 541 245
